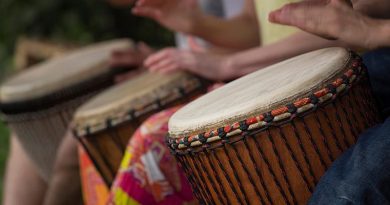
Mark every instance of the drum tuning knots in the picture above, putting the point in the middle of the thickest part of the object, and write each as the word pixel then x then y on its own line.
pixel 291 108
pixel 158 103
pixel 345 79
pixel 331 88
pixel 201 138
pixel 108 123
pixel 181 91
pixel 131 113
pixel 313 99
pixel 243 126
pixel 88 130
pixel 268 117
pixel 186 142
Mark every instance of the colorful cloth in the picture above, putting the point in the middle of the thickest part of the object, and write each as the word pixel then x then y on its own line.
pixel 149 174
pixel 95 191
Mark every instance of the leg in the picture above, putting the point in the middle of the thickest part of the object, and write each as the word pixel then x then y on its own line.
pixel 378 65
pixel 361 175
pixel 22 185
pixel 64 186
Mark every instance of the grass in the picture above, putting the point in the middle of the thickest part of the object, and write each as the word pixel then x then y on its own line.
pixel 4 142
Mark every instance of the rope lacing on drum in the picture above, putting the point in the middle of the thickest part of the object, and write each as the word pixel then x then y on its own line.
pixel 279 115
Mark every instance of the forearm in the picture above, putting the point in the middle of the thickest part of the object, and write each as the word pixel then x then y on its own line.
pixel 257 58
pixel 382 34
pixel 240 32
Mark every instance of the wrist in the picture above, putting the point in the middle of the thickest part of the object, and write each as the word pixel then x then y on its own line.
pixel 229 66
pixel 380 35
pixel 384 37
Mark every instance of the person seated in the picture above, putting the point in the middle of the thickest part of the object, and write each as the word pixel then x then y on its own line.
pixel 149 174
pixel 361 175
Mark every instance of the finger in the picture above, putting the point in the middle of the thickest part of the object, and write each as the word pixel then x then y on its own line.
pixel 122 52
pixel 125 59
pixel 123 62
pixel 305 15
pixel 140 2
pixel 150 3
pixel 169 69
pixel 146 12
pixel 153 59
pixel 161 64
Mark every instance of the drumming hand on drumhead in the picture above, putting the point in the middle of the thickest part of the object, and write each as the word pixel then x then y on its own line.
pixel 130 58
pixel 208 65
pixel 333 19
pixel 178 15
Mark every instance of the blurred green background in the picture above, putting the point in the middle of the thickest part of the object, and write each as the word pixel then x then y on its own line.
pixel 76 21
pixel 3 153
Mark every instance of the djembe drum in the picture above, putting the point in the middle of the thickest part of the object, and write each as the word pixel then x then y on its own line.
pixel 268 137
pixel 105 124
pixel 39 103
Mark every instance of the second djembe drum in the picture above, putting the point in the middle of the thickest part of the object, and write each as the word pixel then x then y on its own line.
pixel 105 124
pixel 267 138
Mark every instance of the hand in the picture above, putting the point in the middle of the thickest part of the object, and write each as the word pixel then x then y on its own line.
pixel 331 19
pixel 178 15
pixel 207 65
pixel 130 58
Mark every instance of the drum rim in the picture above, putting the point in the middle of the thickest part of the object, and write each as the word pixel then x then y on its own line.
pixel 70 90
pixel 352 72
pixel 189 89
pixel 66 94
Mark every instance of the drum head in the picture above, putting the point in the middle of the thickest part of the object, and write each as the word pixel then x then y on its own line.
pixel 131 99
pixel 62 72
pixel 260 92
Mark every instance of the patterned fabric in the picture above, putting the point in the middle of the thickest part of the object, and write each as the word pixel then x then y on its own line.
pixel 149 174
pixel 95 191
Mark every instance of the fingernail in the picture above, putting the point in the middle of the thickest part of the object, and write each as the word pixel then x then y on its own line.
pixel 273 16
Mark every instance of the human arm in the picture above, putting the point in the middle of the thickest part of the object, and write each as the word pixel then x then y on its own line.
pixel 226 67
pixel 335 19
pixel 185 16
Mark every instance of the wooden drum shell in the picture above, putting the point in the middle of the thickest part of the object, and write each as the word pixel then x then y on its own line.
pixel 281 163
pixel 106 148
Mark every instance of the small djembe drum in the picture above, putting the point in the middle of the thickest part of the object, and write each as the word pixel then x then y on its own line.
pixel 38 104
pixel 267 138
pixel 105 124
